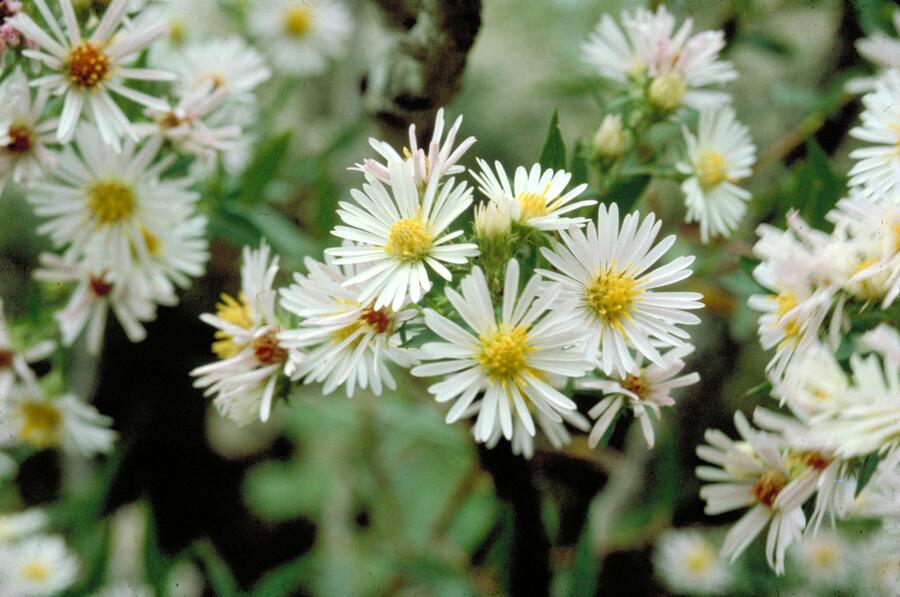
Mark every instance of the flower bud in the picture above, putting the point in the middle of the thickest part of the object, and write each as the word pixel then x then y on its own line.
pixel 666 91
pixel 493 220
pixel 610 139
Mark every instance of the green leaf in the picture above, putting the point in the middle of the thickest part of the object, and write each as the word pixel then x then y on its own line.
pixel 763 389
pixel 583 575
pixel 766 42
pixel 579 166
pixel 815 187
pixel 866 470
pixel 262 168
pixel 553 155
pixel 625 193
pixel 285 236
pixel 284 580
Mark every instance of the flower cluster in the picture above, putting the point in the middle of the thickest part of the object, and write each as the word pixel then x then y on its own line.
pixel 829 316
pixel 33 562
pixel 505 318
pixel 666 74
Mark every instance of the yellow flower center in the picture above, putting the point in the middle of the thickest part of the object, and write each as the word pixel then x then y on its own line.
pixel 711 168
pixel 236 312
pixel 634 383
pixel 532 205
pixel 6 358
pixel 667 90
pixel 87 65
pixel 825 554
pixel 700 559
pixel 111 201
pixel 35 571
pixel 503 353
pixel 611 295
pixel 297 20
pixel 40 423
pixel 178 31
pixel 785 302
pixel 409 239
pixel 868 288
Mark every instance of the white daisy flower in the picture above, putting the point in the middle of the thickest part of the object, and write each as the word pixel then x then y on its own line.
pixel 228 64
pixel 187 125
pixel 754 472
pixel 689 563
pixel 87 71
pixel 870 424
pixel 878 168
pixel 398 234
pixel 536 197
pixel 252 359
pixel 880 557
pixel 96 293
pixel 606 271
pixel 348 343
pixel 718 157
pixel 32 419
pixel 813 383
pixel 115 200
pixel 882 51
pixel 644 392
pixel 873 228
pixel 508 359
pixel 680 66
pixel 37 567
pixel 440 160
pixel 825 560
pixel 793 312
pixel 186 21
pixel 301 36
pixel 556 431
pixel 14 361
pixel 24 134
pixel 21 524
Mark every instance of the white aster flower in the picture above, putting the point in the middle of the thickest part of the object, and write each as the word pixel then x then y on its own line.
pixel 14 361
pixel 19 525
pixel 793 312
pixel 556 431
pixel 880 557
pixel 880 498
pixel 96 293
pixel 643 391
pixel 755 472
pixel 870 423
pixel 878 168
pixel 507 359
pixel 870 231
pixel 348 343
pixel 32 419
pixel 882 51
pixel 718 157
pixel 825 560
pixel 689 563
pixel 813 383
pixel 537 197
pixel 252 359
pixel 883 339
pixel 228 64
pixel 24 133
pixel 607 271
pixel 117 202
pixel 301 36
pixel 37 567
pixel 680 66
pixel 398 234
pixel 440 159
pixel 87 71
pixel 188 125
